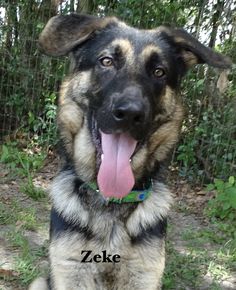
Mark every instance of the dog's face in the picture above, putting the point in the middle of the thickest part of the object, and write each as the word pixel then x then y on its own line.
pixel 121 97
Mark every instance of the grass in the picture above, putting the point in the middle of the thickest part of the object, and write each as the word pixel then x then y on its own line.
pixel 181 270
pixel 13 213
pixel 208 252
pixel 27 258
pixel 18 217
pixel 18 220
pixel 23 163
pixel 32 191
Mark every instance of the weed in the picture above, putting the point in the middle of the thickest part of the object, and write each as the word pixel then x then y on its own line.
pixel 44 128
pixel 220 259
pixel 223 206
pixel 32 191
pixel 17 240
pixel 24 163
pixel 21 162
pixel 13 213
pixel 26 260
pixel 182 270
pixel 27 219
pixel 218 271
pixel 222 211
pixel 7 214
pixel 26 269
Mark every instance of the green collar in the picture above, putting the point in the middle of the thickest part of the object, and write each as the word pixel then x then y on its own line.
pixel 133 196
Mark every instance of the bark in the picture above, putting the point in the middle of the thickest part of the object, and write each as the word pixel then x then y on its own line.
pixel 86 6
pixel 219 8
pixel 198 19
pixel 72 6
pixel 12 24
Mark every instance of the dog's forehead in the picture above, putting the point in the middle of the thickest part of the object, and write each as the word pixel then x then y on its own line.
pixel 137 42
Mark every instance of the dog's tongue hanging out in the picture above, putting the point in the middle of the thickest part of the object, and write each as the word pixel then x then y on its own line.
pixel 115 176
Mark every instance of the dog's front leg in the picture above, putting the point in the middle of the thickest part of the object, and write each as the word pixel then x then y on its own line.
pixel 71 277
pixel 144 268
pixel 67 270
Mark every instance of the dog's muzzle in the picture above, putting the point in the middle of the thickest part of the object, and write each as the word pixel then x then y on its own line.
pixel 124 112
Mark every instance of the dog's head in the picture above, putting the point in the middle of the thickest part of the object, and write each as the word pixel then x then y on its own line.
pixel 122 91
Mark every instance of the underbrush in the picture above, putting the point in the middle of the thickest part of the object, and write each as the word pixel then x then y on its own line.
pixel 207 146
pixel 23 163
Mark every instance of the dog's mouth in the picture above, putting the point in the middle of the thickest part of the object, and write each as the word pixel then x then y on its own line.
pixel 114 152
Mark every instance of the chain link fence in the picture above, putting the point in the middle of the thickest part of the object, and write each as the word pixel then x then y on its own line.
pixel 30 81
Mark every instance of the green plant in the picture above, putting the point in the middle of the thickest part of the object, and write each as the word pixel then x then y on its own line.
pixel 208 147
pixel 44 127
pixel 185 270
pixel 32 191
pixel 24 163
pixel 12 213
pixel 26 259
pixel 21 161
pixel 223 206
pixel 26 269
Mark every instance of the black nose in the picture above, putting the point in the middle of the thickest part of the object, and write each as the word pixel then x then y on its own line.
pixel 128 110
pixel 129 114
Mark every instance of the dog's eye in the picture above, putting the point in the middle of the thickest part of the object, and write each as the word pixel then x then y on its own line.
pixel 159 72
pixel 106 61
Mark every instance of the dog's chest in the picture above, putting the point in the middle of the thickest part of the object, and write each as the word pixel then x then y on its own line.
pixel 101 256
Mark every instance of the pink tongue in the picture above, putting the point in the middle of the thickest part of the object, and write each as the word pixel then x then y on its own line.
pixel 115 176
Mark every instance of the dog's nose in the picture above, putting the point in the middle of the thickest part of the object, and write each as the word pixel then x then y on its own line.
pixel 129 113
pixel 128 110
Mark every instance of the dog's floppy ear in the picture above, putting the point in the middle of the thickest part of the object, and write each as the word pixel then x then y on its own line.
pixel 192 51
pixel 63 32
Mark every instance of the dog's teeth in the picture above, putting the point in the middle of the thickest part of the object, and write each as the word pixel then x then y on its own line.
pixel 102 156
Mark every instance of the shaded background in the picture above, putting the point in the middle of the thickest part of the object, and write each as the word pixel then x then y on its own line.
pixel 30 81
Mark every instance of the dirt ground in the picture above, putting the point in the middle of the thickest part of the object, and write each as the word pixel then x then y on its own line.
pixel 186 215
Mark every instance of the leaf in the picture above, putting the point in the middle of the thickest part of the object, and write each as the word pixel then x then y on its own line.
pixel 210 187
pixel 219 184
pixel 226 205
pixel 8 273
pixel 199 82
pixel 231 180
pixel 231 192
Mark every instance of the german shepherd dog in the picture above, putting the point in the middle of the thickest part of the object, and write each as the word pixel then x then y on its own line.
pixel 119 117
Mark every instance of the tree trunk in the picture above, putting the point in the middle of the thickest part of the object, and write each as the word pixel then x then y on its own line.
pixel 72 5
pixel 85 6
pixel 218 7
pixel 12 24
pixel 198 19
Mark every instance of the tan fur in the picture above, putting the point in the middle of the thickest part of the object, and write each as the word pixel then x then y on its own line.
pixel 70 114
pixel 155 207
pixel 138 160
pixel 189 58
pixel 148 50
pixel 84 154
pixel 140 266
pixel 167 134
pixel 67 204
pixel 126 48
